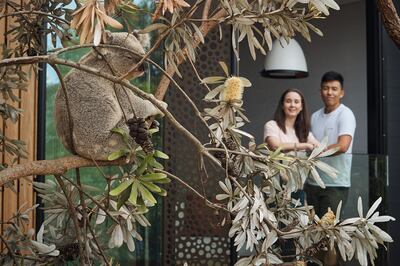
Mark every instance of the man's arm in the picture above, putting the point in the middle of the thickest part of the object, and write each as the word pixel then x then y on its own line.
pixel 343 143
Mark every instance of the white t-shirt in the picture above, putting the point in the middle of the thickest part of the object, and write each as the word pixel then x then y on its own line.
pixel 337 123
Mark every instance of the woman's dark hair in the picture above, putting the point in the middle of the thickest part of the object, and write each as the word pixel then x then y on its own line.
pixel 302 123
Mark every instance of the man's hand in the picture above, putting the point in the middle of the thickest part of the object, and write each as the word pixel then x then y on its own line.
pixel 343 143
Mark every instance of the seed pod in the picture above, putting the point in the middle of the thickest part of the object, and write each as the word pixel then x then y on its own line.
pixel 142 136
pixel 133 127
pixel 148 146
pixel 133 133
pixel 131 121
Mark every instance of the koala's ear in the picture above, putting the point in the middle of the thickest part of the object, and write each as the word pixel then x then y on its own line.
pixel 107 37
pixel 144 39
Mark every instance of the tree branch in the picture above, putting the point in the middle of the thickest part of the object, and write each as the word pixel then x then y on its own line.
pixel 194 191
pixel 390 19
pixel 50 167
pixel 72 213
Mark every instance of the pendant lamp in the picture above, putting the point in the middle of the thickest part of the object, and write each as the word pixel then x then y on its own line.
pixel 285 61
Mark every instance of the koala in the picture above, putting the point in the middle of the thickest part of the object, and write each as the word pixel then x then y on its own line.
pixel 98 105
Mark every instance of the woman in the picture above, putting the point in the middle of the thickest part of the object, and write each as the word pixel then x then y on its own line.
pixel 290 128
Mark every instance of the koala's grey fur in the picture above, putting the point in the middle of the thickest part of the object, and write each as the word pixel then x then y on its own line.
pixel 93 101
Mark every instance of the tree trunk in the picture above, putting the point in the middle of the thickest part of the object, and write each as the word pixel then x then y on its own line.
pixel 390 19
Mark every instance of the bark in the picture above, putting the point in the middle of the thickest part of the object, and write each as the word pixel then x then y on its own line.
pixel 390 19
pixel 51 167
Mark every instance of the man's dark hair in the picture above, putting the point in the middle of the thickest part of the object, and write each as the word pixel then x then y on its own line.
pixel 332 76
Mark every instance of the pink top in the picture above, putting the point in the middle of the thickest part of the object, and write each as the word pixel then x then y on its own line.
pixel 271 129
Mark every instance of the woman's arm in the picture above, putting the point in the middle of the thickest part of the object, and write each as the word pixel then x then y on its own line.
pixel 274 143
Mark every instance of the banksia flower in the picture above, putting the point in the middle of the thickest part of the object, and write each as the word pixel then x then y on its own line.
pixel 233 90
pixel 311 251
pixel 138 131
pixel 230 143
pixel 233 170
pixel 328 219
pixel 69 252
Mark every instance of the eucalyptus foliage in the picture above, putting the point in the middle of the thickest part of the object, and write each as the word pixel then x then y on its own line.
pixel 83 222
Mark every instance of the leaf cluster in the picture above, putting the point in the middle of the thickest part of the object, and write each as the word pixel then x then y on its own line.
pixel 20 248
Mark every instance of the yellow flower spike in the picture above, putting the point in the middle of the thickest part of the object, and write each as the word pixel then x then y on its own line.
pixel 233 90
pixel 328 219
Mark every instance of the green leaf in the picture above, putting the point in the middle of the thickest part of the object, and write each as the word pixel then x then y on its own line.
pixel 151 186
pixel 276 152
pixel 117 154
pixel 123 198
pixel 153 177
pixel 142 168
pixel 163 192
pixel 119 131
pixel 160 154
pixel 163 181
pixel 152 162
pixel 262 146
pixel 124 185
pixel 142 208
pixel 151 131
pixel 122 132
pixel 146 194
pixel 134 193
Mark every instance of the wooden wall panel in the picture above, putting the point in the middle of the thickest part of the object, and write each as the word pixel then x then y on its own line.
pixel 11 130
pixel 24 129
pixel 28 134
pixel 2 30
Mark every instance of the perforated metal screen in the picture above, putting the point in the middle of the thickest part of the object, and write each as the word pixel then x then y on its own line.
pixel 192 231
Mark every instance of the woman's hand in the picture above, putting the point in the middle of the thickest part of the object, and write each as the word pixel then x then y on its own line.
pixel 307 146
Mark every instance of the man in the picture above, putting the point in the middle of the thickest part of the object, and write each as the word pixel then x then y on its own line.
pixel 337 122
